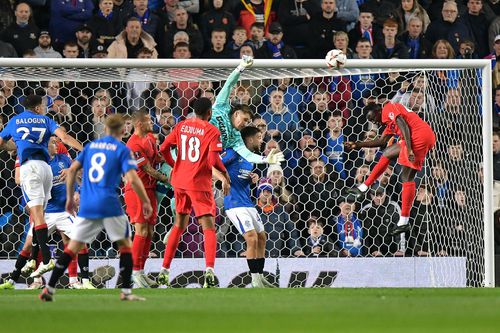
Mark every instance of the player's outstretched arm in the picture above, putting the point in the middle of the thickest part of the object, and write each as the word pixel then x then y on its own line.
pixel 405 131
pixel 7 145
pixel 68 139
pixel 378 142
pixel 138 187
pixel 223 96
pixel 273 157
pixel 70 187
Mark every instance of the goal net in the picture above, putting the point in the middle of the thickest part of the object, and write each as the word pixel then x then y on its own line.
pixel 317 236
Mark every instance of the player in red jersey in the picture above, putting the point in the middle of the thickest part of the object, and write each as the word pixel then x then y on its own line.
pixel 416 140
pixel 143 145
pixel 198 147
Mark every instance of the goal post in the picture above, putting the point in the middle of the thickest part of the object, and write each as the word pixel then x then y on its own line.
pixel 479 257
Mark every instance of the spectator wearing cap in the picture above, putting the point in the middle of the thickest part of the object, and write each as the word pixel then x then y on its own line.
pixel 182 22
pixel 83 36
pixel 322 27
pixel 449 27
pixel 21 34
pixel 65 18
pixel 249 12
pixel 7 50
pixel 295 16
pixel 283 237
pixel 378 218
pixel 106 23
pixel 390 47
pixel 151 23
pixel 238 40
pixel 216 17
pixel 478 24
pixel 365 28
pixel 274 47
pixel 418 45
pixel 44 48
pixel 131 40
pixel 349 230
pixel 99 51
pixel 218 49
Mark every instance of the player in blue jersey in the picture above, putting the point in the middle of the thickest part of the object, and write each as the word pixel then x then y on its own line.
pixel 230 120
pixel 31 131
pixel 103 161
pixel 241 210
pixel 57 220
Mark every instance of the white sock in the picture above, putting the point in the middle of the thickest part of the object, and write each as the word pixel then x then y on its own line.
pixel 73 279
pixel 403 220
pixel 135 273
pixel 209 269
pixel 50 289
pixel 255 276
pixel 126 291
pixel 165 269
pixel 12 282
pixel 85 280
pixel 362 187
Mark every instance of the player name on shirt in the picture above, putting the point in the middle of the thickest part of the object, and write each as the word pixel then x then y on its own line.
pixel 222 128
pixel 30 121
pixel 103 145
pixel 192 130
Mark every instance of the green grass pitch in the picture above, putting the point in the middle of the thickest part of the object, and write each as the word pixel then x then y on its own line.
pixel 255 310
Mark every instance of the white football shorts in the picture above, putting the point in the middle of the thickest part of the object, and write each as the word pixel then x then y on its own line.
pixel 36 182
pixel 245 219
pixel 117 228
pixel 62 222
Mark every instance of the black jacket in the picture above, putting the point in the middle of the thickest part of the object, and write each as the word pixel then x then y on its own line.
pixel 105 29
pixel 321 32
pixel 216 18
pixel 424 50
pixel 22 38
pixel 399 51
pixel 295 24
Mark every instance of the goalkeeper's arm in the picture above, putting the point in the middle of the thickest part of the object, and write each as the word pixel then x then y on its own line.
pixel 223 96
pixel 272 158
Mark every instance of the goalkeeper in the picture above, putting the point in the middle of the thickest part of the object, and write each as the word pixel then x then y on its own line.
pixel 230 121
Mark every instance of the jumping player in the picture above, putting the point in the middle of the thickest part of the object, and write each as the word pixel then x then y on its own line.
pixel 417 138
pixel 241 210
pixel 230 120
pixel 198 146
pixel 103 161
pixel 31 131
pixel 143 145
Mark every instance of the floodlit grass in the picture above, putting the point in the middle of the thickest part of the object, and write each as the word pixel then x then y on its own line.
pixel 255 310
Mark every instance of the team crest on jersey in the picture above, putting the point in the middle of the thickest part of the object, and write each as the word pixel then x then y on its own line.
pixel 61 165
pixel 391 115
pixel 137 155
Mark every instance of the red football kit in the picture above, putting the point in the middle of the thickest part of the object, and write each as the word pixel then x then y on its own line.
pixel 145 152
pixel 423 138
pixel 197 140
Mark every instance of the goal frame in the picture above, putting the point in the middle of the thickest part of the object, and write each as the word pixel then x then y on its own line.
pixel 353 64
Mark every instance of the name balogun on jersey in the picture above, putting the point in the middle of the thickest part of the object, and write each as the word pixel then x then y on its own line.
pixel 23 121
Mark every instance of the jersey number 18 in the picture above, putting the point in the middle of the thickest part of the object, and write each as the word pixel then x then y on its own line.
pixel 190 147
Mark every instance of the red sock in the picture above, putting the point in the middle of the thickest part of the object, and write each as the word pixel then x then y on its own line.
pixel 210 244
pixel 137 250
pixel 73 265
pixel 85 250
pixel 409 190
pixel 145 252
pixel 377 171
pixel 24 253
pixel 172 243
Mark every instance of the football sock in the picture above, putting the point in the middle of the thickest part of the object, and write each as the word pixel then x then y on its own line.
pixel 137 251
pixel 253 265
pixel 34 247
pixel 145 252
pixel 83 263
pixel 42 235
pixel 173 242
pixel 261 262
pixel 210 245
pixel 61 265
pixel 20 262
pixel 377 171
pixel 126 268
pixel 409 190
pixel 72 267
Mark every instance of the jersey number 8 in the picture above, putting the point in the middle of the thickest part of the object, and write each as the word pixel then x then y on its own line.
pixel 193 148
pixel 96 171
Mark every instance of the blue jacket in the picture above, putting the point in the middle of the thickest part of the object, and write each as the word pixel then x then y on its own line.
pixel 66 17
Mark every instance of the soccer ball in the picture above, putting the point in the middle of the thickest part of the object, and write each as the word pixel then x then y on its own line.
pixel 335 59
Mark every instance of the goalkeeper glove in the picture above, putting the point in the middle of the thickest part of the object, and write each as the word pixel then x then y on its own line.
pixel 274 157
pixel 246 61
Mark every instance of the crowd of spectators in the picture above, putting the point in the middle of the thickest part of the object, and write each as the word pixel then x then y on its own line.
pixel 301 202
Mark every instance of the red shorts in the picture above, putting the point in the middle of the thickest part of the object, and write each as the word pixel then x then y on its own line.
pixel 202 202
pixel 134 207
pixel 420 146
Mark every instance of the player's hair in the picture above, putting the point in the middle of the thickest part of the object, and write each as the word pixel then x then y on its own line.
pixel 139 115
pixel 202 106
pixel 243 108
pixel 115 123
pixel 372 107
pixel 126 117
pixel 249 132
pixel 32 101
